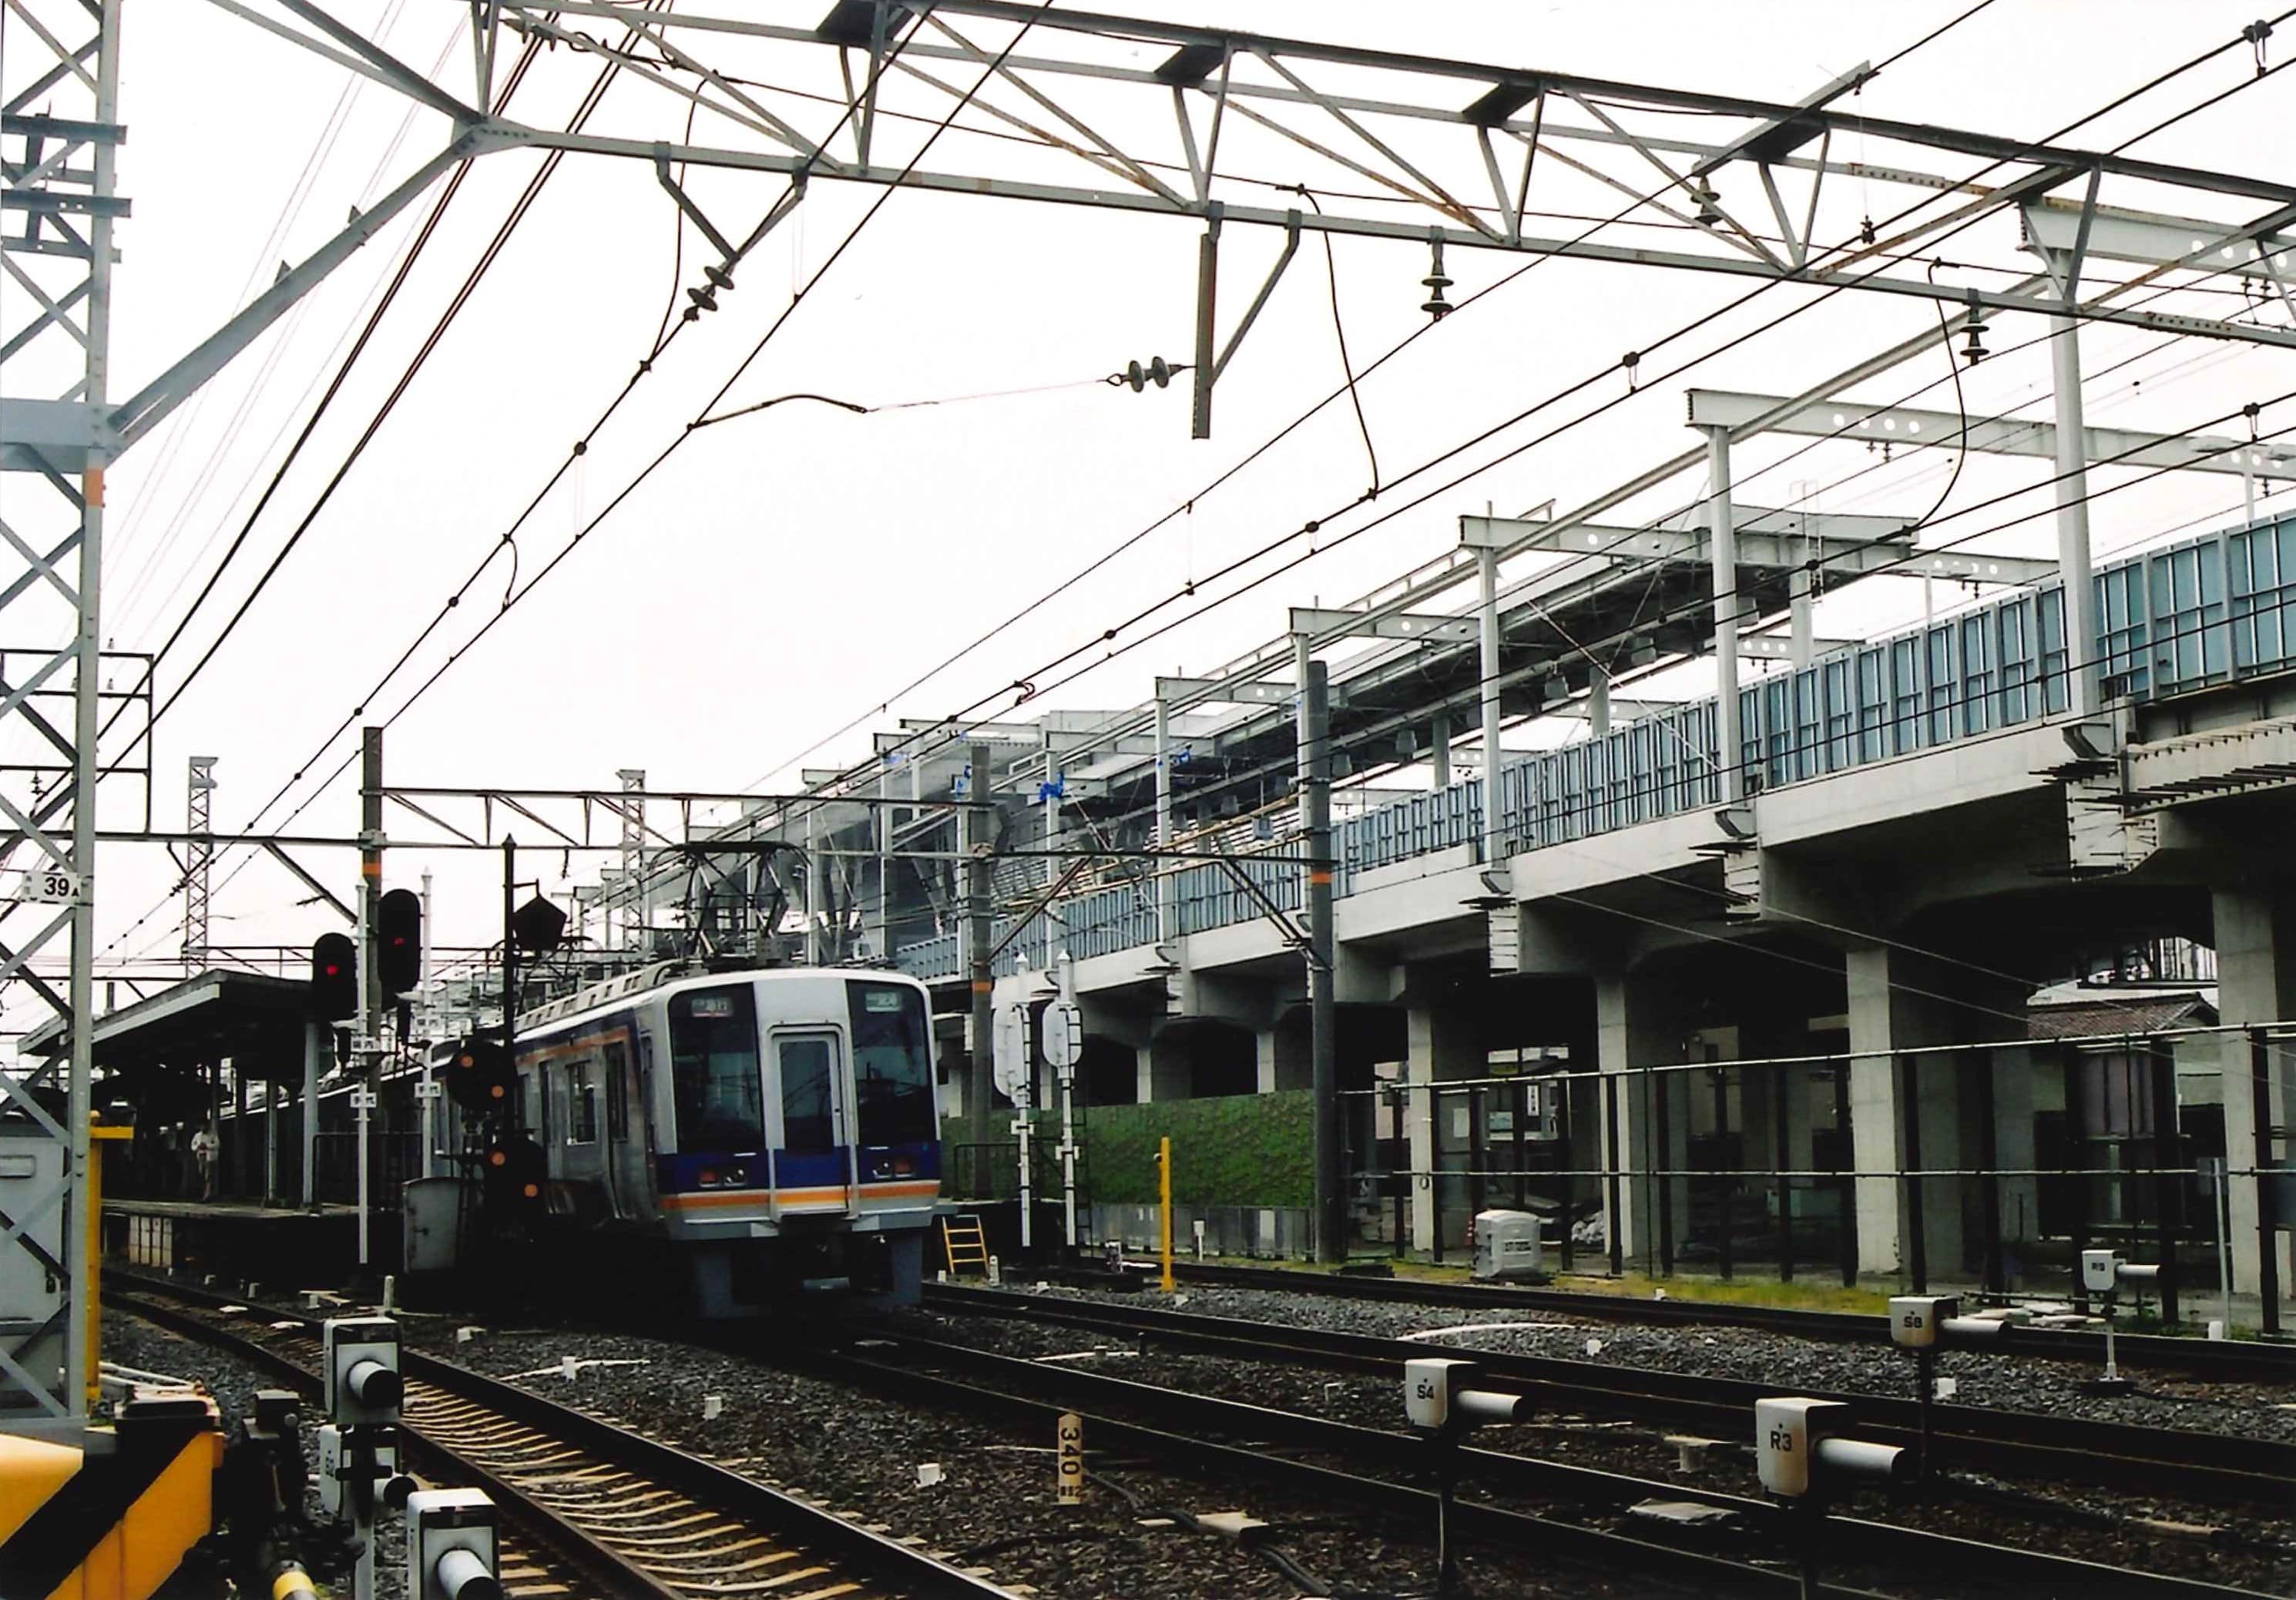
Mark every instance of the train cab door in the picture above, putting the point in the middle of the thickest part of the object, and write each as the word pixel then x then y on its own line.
pixel 813 1146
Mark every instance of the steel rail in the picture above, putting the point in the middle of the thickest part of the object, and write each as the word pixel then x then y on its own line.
pixel 998 1387
pixel 891 1567
pixel 2213 1358
pixel 601 1568
pixel 2115 1455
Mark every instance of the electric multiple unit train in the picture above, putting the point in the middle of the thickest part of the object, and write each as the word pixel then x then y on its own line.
pixel 766 1131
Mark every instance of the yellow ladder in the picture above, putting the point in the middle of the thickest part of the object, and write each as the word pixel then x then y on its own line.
pixel 964 1244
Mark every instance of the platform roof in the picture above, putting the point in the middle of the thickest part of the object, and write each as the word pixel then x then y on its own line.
pixel 255 1019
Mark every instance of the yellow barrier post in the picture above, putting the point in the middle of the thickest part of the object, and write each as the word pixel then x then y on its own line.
pixel 92 1282
pixel 1164 1186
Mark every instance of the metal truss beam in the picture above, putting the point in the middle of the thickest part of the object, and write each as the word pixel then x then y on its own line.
pixel 1848 275
pixel 1198 51
pixel 1399 625
pixel 1843 556
pixel 1779 647
pixel 1175 690
pixel 1915 428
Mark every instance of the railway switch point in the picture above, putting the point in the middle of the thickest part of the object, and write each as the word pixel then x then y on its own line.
pixel 1691 1452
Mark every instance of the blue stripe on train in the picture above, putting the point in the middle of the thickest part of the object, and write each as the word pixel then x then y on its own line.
pixel 812 1168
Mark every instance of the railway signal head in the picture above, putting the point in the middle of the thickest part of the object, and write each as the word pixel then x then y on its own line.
pixel 537 926
pixel 451 1545
pixel 514 1174
pixel 480 1075
pixel 361 1370
pixel 1919 1321
pixel 398 940
pixel 1438 1395
pixel 334 977
pixel 1800 1450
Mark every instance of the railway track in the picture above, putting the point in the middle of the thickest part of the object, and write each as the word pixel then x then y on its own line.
pixel 1757 1549
pixel 589 1507
pixel 2224 1358
pixel 2220 1467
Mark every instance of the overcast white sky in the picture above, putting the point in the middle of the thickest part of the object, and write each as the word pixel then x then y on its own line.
pixel 789 570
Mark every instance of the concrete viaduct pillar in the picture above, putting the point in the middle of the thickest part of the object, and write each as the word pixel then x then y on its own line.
pixel 1443 1042
pixel 1906 1098
pixel 1640 1022
pixel 2255 939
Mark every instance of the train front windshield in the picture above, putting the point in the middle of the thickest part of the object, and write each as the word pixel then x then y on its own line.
pixel 892 1063
pixel 713 1038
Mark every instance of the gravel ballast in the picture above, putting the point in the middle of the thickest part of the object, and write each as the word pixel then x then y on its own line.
pixel 992 1502
pixel 2156 1532
pixel 1993 1378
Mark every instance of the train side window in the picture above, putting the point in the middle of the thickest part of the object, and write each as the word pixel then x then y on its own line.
pixel 581 1105
pixel 618 1099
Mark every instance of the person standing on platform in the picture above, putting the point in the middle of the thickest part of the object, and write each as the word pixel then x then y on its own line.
pixel 203 1147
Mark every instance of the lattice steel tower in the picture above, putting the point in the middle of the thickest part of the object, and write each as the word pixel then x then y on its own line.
pixel 198 856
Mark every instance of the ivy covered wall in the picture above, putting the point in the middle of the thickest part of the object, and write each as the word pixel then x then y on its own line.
pixel 1234 1150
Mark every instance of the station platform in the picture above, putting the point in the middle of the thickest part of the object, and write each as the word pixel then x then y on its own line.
pixel 243 1241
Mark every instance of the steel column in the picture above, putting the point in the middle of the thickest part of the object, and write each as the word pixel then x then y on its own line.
pixel 978 842
pixel 1729 748
pixel 2081 628
pixel 2267 1195
pixel 1845 1185
pixel 316 1044
pixel 1615 1128
pixel 1168 920
pixel 1487 572
pixel 1323 1020
pixel 1912 1227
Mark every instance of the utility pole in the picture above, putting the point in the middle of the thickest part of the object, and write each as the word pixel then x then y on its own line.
pixel 367 1058
pixel 1315 815
pixel 370 971
pixel 980 823
pixel 510 941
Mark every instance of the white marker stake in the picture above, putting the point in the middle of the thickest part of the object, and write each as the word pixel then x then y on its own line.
pixel 713 1407
pixel 1069 1460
